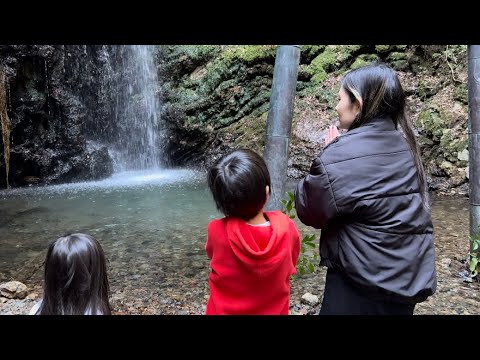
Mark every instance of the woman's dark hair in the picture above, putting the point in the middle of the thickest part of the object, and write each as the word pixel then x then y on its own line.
pixel 76 279
pixel 238 182
pixel 380 94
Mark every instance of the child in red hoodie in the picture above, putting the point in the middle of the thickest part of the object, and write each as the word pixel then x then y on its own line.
pixel 252 253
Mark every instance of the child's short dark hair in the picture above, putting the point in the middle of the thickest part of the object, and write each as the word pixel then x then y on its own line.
pixel 238 182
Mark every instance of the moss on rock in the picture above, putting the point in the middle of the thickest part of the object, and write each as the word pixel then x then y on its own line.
pixel 364 59
pixel 432 120
pixel 452 146
pixel 398 60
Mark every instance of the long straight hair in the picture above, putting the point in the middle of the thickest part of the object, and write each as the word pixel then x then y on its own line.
pixel 75 280
pixel 380 94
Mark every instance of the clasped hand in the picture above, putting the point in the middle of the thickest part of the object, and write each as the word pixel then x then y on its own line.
pixel 332 133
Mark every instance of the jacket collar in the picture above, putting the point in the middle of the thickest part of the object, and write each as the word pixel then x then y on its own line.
pixel 375 124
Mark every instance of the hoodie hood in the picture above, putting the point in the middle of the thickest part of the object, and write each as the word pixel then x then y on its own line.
pixel 247 251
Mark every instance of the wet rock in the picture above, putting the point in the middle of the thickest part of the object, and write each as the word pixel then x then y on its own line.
pixel 310 299
pixel 465 276
pixel 445 262
pixel 13 290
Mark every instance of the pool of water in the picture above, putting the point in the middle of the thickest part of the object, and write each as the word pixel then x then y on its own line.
pixel 152 226
pixel 144 220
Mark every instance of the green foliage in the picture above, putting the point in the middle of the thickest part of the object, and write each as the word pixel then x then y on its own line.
pixel 454 53
pixel 249 53
pixel 320 65
pixel 455 56
pixel 474 253
pixel 363 59
pixel 197 53
pixel 383 48
pixel 460 93
pixel 308 258
pixel 433 119
pixel 309 52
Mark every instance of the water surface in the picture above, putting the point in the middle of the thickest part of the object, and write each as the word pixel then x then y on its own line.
pixel 145 220
pixel 152 225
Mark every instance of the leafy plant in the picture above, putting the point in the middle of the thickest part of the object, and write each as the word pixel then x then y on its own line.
pixel 308 258
pixel 474 253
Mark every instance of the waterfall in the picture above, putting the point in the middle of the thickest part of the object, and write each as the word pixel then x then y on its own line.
pixel 135 108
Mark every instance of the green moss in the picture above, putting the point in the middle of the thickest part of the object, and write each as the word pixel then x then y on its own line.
pixel 249 53
pixel 432 120
pixel 398 60
pixel 364 59
pixel 232 61
pixel 308 89
pixel 197 53
pixel 446 166
pixel 332 58
pixel 250 132
pixel 419 65
pixel 186 96
pixel 425 89
pixel 424 141
pixel 319 77
pixel 345 52
pixel 383 48
pixel 304 73
pixel 400 65
pixel 323 62
pixel 320 65
pixel 452 145
pixel 328 96
pixel 461 94
pixel 309 52
pixel 261 98
pixel 226 84
pixel 301 85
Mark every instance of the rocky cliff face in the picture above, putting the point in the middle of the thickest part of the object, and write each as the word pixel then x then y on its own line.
pixel 215 98
pixel 61 105
pixel 51 103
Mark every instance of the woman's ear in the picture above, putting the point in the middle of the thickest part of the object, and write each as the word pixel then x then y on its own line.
pixel 358 106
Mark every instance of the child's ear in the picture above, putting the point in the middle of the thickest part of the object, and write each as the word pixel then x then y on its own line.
pixel 267 194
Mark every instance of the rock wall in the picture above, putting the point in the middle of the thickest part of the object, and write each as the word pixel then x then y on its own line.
pixel 61 105
pixel 53 100
pixel 216 98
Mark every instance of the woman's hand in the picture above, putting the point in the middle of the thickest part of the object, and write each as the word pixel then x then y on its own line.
pixel 332 133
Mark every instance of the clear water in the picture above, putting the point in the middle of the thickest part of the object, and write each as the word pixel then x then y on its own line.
pixel 144 220
pixel 152 225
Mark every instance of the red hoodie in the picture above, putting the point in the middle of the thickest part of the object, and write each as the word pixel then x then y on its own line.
pixel 244 279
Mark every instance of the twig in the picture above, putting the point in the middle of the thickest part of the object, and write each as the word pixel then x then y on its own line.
pixel 450 66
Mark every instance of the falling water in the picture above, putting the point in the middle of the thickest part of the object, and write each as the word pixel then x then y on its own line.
pixel 136 110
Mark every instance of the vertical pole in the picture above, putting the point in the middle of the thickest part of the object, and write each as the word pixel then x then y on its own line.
pixel 474 136
pixel 279 120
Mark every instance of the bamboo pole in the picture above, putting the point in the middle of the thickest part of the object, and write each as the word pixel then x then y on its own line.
pixel 279 120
